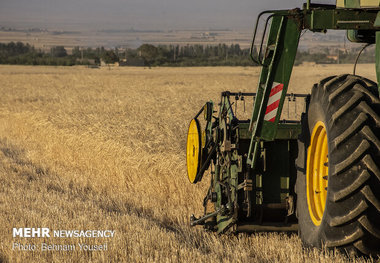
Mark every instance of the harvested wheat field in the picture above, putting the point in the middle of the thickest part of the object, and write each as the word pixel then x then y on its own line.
pixel 104 149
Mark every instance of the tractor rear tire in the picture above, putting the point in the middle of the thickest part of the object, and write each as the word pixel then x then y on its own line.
pixel 341 208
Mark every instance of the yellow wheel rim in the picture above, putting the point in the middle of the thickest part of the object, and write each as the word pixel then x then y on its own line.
pixel 193 150
pixel 317 173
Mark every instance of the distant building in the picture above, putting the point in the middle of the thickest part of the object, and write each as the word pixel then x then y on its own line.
pixel 332 57
pixel 134 62
pixel 104 64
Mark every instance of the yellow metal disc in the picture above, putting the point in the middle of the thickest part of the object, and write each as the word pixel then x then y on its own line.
pixel 317 173
pixel 193 151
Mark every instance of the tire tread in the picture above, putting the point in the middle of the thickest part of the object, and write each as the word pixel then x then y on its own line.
pixel 345 164
pixel 362 178
pixel 358 122
pixel 351 107
pixel 356 211
pixel 350 238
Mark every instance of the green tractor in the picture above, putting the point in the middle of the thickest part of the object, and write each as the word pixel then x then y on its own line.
pixel 318 175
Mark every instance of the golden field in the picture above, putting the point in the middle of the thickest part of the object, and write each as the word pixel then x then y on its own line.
pixel 105 149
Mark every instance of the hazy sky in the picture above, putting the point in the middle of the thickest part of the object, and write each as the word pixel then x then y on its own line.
pixel 139 14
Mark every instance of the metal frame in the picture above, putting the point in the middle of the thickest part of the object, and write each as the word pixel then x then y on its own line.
pixel 248 188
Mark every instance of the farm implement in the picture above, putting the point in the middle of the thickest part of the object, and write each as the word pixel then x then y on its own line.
pixel 318 174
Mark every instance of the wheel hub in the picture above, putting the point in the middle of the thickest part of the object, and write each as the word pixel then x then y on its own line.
pixel 317 173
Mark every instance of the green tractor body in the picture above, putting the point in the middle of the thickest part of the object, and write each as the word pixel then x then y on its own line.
pixel 319 174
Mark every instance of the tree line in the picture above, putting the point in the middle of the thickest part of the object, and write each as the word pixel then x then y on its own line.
pixel 25 54
pixel 193 55
pixel 161 55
